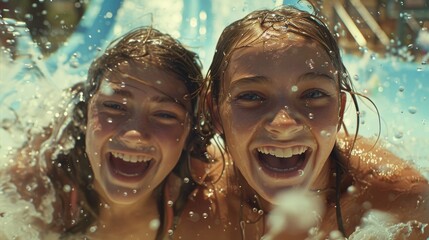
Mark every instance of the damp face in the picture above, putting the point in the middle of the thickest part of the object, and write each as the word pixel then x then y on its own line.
pixel 138 123
pixel 279 108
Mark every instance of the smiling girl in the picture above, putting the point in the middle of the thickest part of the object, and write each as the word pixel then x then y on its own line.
pixel 276 93
pixel 125 130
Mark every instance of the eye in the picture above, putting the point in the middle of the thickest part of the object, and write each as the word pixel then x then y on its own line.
pixel 166 115
pixel 250 96
pixel 314 94
pixel 114 106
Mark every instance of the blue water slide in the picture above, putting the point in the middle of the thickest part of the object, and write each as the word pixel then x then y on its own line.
pixel 91 33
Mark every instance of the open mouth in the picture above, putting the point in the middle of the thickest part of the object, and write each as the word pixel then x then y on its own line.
pixel 282 160
pixel 129 166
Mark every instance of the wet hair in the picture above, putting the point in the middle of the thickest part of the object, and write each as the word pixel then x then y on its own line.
pixel 144 45
pixel 253 29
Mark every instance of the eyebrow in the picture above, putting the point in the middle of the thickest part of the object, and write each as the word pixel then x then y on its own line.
pixel 158 99
pixel 167 99
pixel 121 92
pixel 264 80
pixel 249 80
pixel 317 75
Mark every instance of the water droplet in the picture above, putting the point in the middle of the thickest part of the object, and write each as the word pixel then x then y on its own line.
pixel 399 134
pixel 191 214
pixel 134 191
pixel 294 88
pixel 66 188
pixel 311 116
pixel 261 212
pixel 186 180
pixel 177 139
pixel 169 203
pixel 108 15
pixel 310 63
pixel 125 194
pixel 48 45
pixel 419 69
pixel 170 232
pixel 74 63
pixel 254 210
pixel 154 224
pixel 401 88
pixel 325 133
pixel 301 172
pixel 93 229
pixel 352 189
pixel 109 120
pixel 205 215
pixel 412 109
pixel 356 77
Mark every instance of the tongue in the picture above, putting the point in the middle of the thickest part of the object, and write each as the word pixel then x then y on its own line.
pixel 280 163
pixel 128 168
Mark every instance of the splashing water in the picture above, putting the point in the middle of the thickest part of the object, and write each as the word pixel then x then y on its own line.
pixel 34 85
pixel 298 210
pixel 377 225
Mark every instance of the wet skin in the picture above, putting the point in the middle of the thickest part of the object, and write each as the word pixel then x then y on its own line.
pixel 280 107
pixel 137 127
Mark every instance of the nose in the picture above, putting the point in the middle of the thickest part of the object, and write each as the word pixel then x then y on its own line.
pixel 283 125
pixel 135 134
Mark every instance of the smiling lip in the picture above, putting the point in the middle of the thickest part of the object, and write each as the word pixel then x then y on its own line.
pixel 282 162
pixel 129 167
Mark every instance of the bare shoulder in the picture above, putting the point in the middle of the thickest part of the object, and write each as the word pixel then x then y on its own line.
pixel 372 164
pixel 388 183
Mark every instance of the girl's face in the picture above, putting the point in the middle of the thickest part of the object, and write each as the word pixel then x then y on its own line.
pixel 138 122
pixel 280 107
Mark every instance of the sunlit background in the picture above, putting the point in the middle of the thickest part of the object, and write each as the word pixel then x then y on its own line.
pixel 47 45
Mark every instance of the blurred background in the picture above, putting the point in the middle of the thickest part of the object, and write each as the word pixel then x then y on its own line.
pixel 384 26
pixel 47 45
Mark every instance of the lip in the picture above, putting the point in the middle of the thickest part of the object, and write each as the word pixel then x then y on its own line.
pixel 132 161
pixel 300 153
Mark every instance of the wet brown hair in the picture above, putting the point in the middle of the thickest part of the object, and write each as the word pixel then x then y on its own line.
pixel 142 45
pixel 249 31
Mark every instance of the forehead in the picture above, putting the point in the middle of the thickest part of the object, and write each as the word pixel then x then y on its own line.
pixel 139 77
pixel 292 54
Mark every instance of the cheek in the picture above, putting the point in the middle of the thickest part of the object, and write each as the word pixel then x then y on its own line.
pixel 238 123
pixel 320 118
pixel 324 124
pixel 174 136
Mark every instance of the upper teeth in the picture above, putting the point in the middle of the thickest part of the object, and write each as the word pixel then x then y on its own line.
pixel 132 158
pixel 283 152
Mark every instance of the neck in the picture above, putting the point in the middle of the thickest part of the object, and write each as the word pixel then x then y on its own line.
pixel 144 207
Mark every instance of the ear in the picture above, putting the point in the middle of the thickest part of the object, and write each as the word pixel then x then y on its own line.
pixel 343 99
pixel 214 112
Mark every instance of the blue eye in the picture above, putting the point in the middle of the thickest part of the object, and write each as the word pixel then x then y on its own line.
pixel 115 106
pixel 314 94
